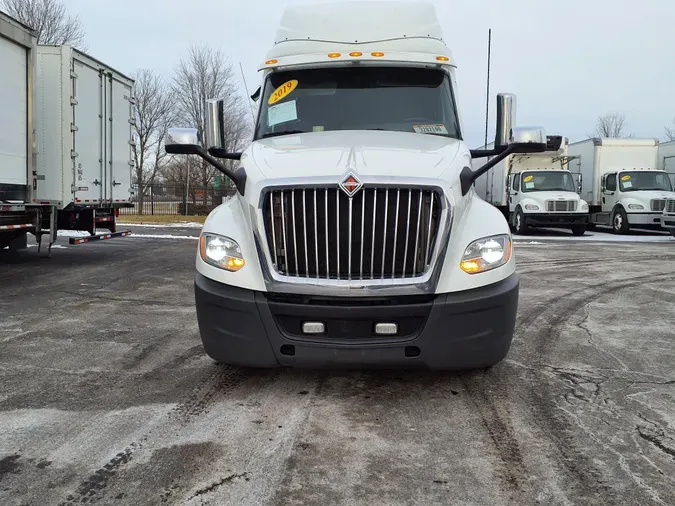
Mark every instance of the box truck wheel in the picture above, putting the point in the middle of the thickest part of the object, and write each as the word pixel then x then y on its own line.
pixel 15 242
pixel 619 221
pixel 519 225
pixel 578 230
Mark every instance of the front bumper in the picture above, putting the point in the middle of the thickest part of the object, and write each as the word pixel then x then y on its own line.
pixel 555 219
pixel 668 220
pixel 453 331
pixel 649 219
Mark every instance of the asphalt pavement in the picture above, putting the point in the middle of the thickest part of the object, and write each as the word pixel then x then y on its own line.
pixel 106 396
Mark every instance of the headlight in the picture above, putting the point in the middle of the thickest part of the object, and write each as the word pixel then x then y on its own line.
pixel 486 254
pixel 221 252
pixel 532 207
pixel 635 206
pixel 584 206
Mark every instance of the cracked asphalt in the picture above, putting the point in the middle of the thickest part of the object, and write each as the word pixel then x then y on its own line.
pixel 107 398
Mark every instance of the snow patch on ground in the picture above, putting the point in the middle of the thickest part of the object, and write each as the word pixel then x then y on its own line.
pixel 54 246
pixel 190 224
pixel 164 236
pixel 73 233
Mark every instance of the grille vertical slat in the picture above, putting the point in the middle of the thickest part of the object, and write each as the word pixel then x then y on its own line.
pixel 561 206
pixel 316 235
pixel 658 205
pixel 372 248
pixel 295 235
pixel 384 242
pixel 417 235
pixel 365 226
pixel 671 206
pixel 407 232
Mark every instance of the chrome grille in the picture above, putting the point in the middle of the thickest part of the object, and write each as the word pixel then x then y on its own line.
pixel 556 206
pixel 380 233
pixel 658 205
pixel 670 207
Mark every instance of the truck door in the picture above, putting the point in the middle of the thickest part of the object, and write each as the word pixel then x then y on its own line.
pixel 514 191
pixel 119 134
pixel 87 128
pixel 610 192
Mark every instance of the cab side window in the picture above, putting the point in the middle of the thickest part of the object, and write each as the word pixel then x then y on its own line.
pixel 611 183
pixel 516 182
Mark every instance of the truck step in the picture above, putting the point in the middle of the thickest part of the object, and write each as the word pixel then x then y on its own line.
pixel 100 237
pixel 15 227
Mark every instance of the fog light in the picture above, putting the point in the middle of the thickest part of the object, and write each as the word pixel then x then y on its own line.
pixel 386 329
pixel 313 328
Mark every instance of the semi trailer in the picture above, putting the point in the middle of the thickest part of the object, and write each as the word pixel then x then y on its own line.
pixel 536 190
pixel 622 182
pixel 356 237
pixel 65 140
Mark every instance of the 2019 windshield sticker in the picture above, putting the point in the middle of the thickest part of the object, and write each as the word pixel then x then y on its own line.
pixel 430 129
pixel 625 178
pixel 282 91
pixel 528 178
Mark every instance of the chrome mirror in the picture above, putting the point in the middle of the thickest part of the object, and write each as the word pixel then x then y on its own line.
pixel 506 118
pixel 182 141
pixel 215 122
pixel 528 140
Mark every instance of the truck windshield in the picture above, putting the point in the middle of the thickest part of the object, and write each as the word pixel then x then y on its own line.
pixel 548 180
pixel 358 98
pixel 644 180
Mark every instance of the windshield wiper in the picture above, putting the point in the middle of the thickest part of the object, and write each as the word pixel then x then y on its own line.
pixel 285 132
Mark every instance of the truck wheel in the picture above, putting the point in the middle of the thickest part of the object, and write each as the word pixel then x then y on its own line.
pixel 578 230
pixel 672 231
pixel 620 221
pixel 519 225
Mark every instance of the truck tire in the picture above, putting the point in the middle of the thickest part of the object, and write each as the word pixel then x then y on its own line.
pixel 14 242
pixel 620 221
pixel 672 231
pixel 519 225
pixel 579 230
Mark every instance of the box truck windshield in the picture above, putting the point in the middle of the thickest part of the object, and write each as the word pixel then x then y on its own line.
pixel 642 180
pixel 358 98
pixel 550 180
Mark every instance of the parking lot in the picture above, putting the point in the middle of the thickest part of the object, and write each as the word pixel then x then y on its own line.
pixel 106 396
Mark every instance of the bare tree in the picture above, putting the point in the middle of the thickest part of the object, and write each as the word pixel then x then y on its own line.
pixel 670 132
pixel 610 125
pixel 49 19
pixel 202 75
pixel 154 115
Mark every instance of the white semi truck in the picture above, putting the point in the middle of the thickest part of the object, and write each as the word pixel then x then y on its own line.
pixel 536 190
pixel 622 182
pixel 356 237
pixel 65 140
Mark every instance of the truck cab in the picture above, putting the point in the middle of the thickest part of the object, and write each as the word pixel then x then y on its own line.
pixel 356 237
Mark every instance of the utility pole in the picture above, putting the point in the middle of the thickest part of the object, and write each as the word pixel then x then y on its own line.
pixel 187 186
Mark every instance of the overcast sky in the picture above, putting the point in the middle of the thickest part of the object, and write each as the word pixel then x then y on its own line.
pixel 568 62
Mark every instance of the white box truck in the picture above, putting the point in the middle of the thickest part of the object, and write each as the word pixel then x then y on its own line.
pixel 356 237
pixel 622 182
pixel 65 140
pixel 666 162
pixel 536 190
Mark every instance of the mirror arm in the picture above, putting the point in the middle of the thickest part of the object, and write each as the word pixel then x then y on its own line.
pixel 484 153
pixel 467 177
pixel 221 153
pixel 238 177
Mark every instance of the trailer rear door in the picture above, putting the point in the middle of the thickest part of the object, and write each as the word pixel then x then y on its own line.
pixel 14 115
pixel 120 111
pixel 88 127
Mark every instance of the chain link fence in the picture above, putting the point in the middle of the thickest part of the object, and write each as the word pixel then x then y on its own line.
pixel 165 199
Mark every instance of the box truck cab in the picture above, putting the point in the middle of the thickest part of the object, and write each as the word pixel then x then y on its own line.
pixel 622 182
pixel 537 190
pixel 356 237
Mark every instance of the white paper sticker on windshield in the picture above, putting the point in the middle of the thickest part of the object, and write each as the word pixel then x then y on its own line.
pixel 627 184
pixel 282 113
pixel 529 185
pixel 430 129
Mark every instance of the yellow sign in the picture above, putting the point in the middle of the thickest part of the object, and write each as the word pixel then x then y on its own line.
pixel 283 91
pixel 625 178
pixel 528 179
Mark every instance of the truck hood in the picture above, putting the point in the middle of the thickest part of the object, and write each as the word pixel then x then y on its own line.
pixel 541 196
pixel 647 195
pixel 367 153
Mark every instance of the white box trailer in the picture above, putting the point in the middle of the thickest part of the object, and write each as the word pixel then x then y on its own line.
pixel 65 140
pixel 536 190
pixel 84 130
pixel 622 181
pixel 666 162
